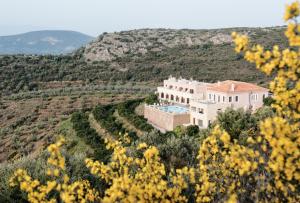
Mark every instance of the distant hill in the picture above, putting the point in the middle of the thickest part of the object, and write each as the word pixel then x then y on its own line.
pixel 43 42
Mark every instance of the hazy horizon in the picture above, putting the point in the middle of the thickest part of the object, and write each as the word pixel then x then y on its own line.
pixel 93 17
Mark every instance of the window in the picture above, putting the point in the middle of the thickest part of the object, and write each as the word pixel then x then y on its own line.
pixel 230 99
pixel 214 97
pixel 167 96
pixel 236 98
pixel 209 96
pixel 182 100
pixel 162 95
pixel 177 98
pixel 254 97
pixel 200 110
pixel 200 123
pixel 223 98
pixel 187 100
pixel 191 91
pixel 172 97
pixel 194 121
pixel 209 122
pixel 219 98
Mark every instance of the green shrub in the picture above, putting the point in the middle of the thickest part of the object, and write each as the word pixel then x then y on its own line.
pixel 268 101
pixel 82 128
pixel 127 110
pixel 192 130
pixel 104 115
pixel 236 121
pixel 151 99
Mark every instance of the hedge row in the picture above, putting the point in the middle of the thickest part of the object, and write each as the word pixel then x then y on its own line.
pixel 126 109
pixel 83 129
pixel 104 115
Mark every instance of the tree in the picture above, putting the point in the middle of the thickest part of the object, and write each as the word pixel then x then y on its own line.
pixel 268 101
pixel 236 121
pixel 192 130
pixel 151 99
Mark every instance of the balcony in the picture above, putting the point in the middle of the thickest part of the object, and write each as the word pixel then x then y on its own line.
pixel 202 101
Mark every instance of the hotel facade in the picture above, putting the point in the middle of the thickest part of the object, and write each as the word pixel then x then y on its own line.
pixel 202 100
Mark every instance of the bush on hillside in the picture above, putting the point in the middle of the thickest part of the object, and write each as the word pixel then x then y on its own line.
pixel 151 99
pixel 104 115
pixel 192 130
pixel 83 129
pixel 127 110
pixel 268 101
pixel 236 121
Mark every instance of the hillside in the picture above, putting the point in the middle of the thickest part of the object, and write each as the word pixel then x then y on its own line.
pixel 37 91
pixel 210 58
pixel 135 43
pixel 43 42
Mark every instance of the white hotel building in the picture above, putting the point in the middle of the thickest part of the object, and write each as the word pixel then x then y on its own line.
pixel 202 100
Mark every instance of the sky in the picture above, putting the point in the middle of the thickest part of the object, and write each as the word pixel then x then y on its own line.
pixel 94 17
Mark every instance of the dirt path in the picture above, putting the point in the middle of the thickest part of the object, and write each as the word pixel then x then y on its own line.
pixel 127 124
pixel 94 124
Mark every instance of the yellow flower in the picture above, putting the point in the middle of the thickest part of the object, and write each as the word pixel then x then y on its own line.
pixel 142 146
pixel 292 11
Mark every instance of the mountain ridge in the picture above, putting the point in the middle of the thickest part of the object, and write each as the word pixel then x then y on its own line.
pixel 43 42
pixel 137 42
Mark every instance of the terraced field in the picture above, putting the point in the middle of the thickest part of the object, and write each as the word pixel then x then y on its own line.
pixel 28 125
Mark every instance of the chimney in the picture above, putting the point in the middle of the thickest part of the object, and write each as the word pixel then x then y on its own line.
pixel 232 87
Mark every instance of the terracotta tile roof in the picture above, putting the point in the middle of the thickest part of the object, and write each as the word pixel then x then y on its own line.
pixel 234 86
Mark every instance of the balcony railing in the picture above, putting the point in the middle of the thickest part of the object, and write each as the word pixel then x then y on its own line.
pixel 203 101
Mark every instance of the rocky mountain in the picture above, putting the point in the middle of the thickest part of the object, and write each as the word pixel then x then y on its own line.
pixel 111 46
pixel 43 42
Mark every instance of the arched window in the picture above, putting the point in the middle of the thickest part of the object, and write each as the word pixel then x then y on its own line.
pixel 167 96
pixel 182 100
pixel 172 97
pixel 162 95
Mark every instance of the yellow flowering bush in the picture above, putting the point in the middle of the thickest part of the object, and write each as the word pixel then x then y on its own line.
pixel 58 188
pixel 142 179
pixel 279 139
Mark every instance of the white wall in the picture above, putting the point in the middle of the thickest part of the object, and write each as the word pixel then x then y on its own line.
pixel 213 106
